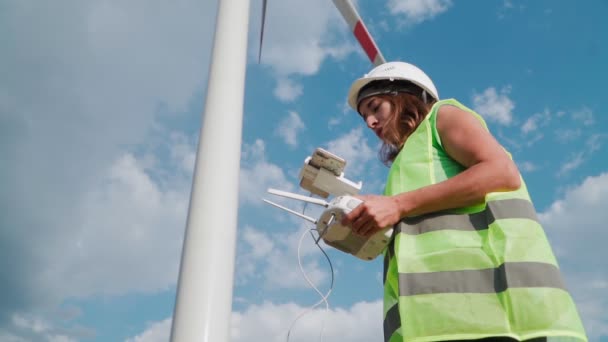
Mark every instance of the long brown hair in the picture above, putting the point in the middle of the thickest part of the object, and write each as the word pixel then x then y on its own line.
pixel 407 112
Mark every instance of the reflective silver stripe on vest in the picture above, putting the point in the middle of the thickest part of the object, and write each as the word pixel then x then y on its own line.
pixel 495 210
pixel 392 322
pixel 490 280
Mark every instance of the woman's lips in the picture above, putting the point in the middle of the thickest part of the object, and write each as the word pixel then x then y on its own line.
pixel 378 132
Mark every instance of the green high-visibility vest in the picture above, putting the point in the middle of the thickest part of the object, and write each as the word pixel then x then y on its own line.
pixel 479 271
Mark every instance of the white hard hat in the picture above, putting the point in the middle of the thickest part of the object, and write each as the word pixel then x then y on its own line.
pixel 392 71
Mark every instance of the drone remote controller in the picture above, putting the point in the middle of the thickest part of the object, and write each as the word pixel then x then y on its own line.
pixel 323 175
pixel 342 237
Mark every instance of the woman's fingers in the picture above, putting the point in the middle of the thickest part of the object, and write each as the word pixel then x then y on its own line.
pixel 362 219
pixel 362 224
pixel 350 218
pixel 369 229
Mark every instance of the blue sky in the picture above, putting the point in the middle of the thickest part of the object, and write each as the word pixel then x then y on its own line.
pixel 100 106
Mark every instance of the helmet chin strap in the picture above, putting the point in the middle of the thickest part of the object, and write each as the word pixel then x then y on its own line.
pixel 424 99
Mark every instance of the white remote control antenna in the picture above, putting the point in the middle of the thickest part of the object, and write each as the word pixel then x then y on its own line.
pixel 332 231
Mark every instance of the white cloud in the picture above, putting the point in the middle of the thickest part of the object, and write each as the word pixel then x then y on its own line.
pixel 289 127
pixel 156 332
pixel 534 139
pixel 575 160
pixel 257 174
pixel 535 121
pixel 140 205
pixel 103 75
pixel 495 106
pixel 354 148
pixel 417 11
pixel 271 260
pixel 584 116
pixel 298 37
pixel 568 135
pixel 128 223
pixel 572 163
pixel 529 126
pixel 261 245
pixel 182 151
pixel 334 121
pixel 253 247
pixel 287 90
pixel 33 328
pixel 580 120
pixel 9 337
pixel 507 7
pixel 336 118
pixel 576 227
pixel 128 211
pixel 530 129
pixel 283 272
pixel 271 322
pixel 527 166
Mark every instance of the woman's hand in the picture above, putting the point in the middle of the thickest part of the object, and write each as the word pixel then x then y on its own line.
pixel 373 214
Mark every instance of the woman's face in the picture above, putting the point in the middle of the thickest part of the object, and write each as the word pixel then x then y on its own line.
pixel 375 111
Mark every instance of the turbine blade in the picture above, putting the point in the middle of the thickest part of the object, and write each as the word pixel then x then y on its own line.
pixel 357 27
pixel 264 3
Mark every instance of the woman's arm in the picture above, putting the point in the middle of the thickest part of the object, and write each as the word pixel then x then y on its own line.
pixel 488 169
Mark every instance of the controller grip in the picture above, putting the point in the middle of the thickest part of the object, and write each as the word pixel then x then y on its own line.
pixel 353 203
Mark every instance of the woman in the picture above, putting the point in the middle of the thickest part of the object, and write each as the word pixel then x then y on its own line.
pixel 469 259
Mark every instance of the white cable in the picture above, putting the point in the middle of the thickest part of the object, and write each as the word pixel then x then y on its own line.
pixel 323 297
pixel 331 267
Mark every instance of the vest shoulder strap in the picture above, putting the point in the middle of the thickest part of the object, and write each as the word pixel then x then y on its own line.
pixel 449 102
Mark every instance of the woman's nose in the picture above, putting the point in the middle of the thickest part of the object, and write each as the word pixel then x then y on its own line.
pixel 371 121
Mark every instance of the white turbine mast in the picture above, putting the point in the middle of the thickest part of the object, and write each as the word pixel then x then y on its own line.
pixel 203 304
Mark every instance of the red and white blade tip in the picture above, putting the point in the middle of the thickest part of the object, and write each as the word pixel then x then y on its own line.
pixel 354 21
